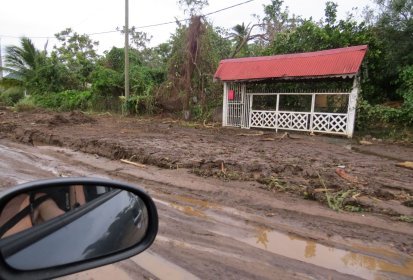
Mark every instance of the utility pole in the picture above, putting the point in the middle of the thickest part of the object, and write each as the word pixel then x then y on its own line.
pixel 127 49
pixel 1 63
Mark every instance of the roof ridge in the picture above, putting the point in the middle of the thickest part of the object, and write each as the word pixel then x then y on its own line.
pixel 297 55
pixel 340 61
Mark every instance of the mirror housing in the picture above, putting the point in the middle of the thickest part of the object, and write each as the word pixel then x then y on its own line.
pixel 9 272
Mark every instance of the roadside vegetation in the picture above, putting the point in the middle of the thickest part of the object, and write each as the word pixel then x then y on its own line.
pixel 177 76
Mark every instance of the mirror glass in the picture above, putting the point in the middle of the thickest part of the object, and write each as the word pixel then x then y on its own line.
pixel 61 225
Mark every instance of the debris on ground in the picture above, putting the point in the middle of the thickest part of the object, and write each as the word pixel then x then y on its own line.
pixel 133 163
pixel 350 178
pixel 288 165
pixel 406 164
pixel 251 134
pixel 365 142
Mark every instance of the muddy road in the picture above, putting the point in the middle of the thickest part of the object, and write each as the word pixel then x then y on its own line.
pixel 231 202
pixel 200 238
pixel 334 171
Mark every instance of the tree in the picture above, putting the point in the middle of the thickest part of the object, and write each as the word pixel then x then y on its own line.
pixel 276 20
pixel 330 13
pixel 137 39
pixel 241 35
pixel 195 31
pixel 209 49
pixel 395 29
pixel 159 55
pixel 22 62
pixel 33 69
pixel 193 7
pixel 77 52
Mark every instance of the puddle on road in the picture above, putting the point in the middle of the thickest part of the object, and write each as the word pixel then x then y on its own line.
pixel 343 261
pixel 162 268
pixel 188 210
pixel 196 202
pixel 192 210
pixel 371 263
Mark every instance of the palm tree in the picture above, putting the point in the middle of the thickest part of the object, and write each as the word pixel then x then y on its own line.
pixel 22 61
pixel 242 35
pixel 240 32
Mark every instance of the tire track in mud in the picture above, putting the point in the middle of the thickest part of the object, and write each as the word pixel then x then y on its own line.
pixel 302 165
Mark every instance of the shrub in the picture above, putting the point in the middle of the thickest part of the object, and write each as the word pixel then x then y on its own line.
pixel 406 91
pixel 25 104
pixel 138 104
pixel 11 96
pixel 376 115
pixel 107 86
pixel 66 100
pixel 107 82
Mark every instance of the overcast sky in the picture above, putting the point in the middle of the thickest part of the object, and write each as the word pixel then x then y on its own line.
pixel 44 18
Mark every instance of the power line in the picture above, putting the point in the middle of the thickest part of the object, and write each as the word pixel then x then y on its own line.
pixel 103 32
pixel 187 19
pixel 227 8
pixel 32 37
pixel 138 27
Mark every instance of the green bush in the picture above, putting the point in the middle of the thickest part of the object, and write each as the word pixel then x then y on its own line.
pixel 380 116
pixel 138 104
pixel 107 86
pixel 25 104
pixel 373 115
pixel 11 96
pixel 406 91
pixel 65 101
pixel 107 82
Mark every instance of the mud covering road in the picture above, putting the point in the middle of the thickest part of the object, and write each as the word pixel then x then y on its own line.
pixel 245 216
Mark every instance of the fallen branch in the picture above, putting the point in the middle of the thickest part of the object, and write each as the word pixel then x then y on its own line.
pixel 406 164
pixel 251 134
pixel 320 190
pixel 284 135
pixel 105 114
pixel 133 163
pixel 352 179
pixel 208 126
pixel 356 195
pixel 168 122
pixel 267 139
pixel 223 170
pixel 364 142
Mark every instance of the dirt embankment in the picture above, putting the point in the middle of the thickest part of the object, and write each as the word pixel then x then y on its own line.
pixel 335 171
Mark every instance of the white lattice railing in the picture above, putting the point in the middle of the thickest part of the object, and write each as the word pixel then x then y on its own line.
pixel 302 121
pixel 328 122
pixel 238 110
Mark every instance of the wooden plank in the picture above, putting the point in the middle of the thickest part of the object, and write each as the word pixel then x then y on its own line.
pixel 406 164
pixel 133 163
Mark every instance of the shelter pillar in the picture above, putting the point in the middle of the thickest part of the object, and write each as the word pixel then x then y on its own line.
pixel 225 105
pixel 352 105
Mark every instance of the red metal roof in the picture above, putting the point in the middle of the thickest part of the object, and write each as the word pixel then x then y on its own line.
pixel 343 61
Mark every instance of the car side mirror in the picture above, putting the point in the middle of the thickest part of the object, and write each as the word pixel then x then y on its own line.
pixel 56 227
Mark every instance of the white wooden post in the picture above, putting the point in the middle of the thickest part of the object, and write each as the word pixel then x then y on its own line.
pixel 312 112
pixel 225 105
pixel 352 105
pixel 250 111
pixel 277 113
pixel 241 115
